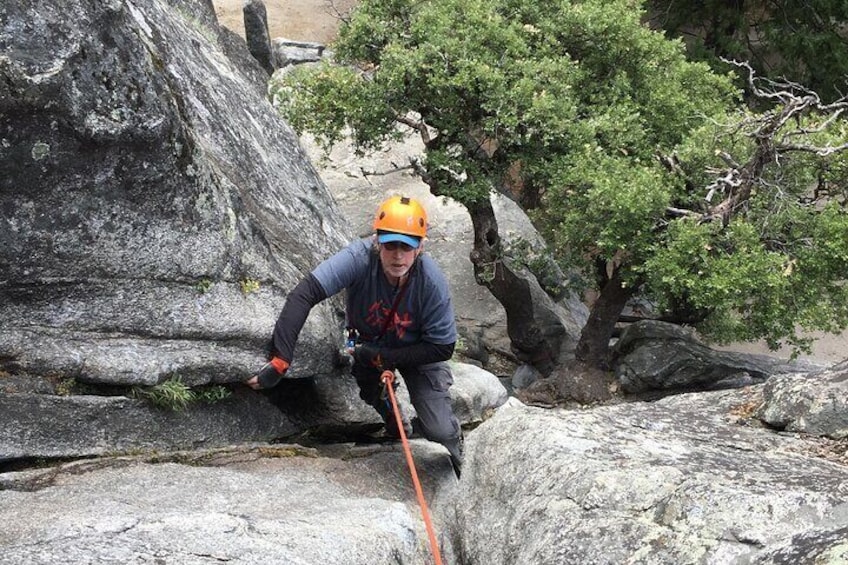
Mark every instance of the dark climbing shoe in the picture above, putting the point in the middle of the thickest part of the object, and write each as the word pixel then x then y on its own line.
pixel 391 429
pixel 456 448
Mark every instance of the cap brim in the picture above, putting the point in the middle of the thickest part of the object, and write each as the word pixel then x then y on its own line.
pixel 411 241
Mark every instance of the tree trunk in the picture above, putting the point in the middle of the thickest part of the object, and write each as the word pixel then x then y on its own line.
pixel 593 348
pixel 535 333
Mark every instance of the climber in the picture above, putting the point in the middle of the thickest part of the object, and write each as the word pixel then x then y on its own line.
pixel 400 316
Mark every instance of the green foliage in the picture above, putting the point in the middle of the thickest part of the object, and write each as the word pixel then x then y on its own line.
pixel 461 347
pixel 66 386
pixel 174 395
pixel 334 101
pixel 574 101
pixel 526 82
pixel 539 261
pixel 750 286
pixel 806 42
pixel 212 394
pixel 601 206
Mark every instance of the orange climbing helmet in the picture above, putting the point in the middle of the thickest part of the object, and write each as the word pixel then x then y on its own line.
pixel 401 219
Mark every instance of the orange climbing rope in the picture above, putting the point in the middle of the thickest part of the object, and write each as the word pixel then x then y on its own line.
pixel 387 377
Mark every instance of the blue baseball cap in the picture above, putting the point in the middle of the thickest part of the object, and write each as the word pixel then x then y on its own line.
pixel 388 236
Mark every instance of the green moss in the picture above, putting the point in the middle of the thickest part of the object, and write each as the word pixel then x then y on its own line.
pixel 248 286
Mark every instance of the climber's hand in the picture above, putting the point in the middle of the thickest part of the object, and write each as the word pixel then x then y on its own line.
pixel 368 355
pixel 270 375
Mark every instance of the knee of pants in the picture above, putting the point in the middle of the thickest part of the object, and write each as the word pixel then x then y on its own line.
pixel 444 433
pixel 438 422
pixel 428 390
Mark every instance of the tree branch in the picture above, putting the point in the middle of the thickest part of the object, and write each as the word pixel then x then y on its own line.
pixel 417 125
pixel 793 101
pixel 681 213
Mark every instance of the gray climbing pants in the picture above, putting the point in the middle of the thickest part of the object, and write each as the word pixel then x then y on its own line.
pixel 429 391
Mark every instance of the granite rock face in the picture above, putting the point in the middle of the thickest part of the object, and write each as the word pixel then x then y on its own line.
pixel 689 479
pixel 692 478
pixel 154 209
pixel 815 404
pixel 658 356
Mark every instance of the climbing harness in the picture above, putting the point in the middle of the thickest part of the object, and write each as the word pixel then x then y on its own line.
pixel 388 378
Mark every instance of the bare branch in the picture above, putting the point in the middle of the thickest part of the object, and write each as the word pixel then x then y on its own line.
pixel 342 15
pixel 727 158
pixel 387 172
pixel 724 184
pixel 824 125
pixel 417 125
pixel 681 213
pixel 820 151
pixel 770 132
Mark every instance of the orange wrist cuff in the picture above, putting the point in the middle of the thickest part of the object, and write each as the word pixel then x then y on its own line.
pixel 279 364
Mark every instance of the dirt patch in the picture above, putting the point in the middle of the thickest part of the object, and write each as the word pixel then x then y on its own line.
pixel 302 20
pixel 572 385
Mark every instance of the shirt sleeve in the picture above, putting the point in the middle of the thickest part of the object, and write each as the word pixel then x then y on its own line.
pixel 344 268
pixel 300 301
pixel 328 278
pixel 419 354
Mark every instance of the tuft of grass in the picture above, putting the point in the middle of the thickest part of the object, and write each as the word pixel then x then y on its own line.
pixel 213 393
pixel 172 394
pixel 175 395
pixel 66 386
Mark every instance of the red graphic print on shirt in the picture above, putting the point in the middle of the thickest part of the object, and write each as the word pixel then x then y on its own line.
pixel 377 315
pixel 401 323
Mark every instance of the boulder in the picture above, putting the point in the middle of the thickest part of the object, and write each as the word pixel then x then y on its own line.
pixel 289 52
pixel 87 425
pixel 154 208
pixel 156 212
pixel 658 356
pixel 812 403
pixel 256 34
pixel 250 505
pixel 691 478
pixel 475 393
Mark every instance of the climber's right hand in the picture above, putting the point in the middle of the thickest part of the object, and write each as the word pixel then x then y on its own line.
pixel 270 375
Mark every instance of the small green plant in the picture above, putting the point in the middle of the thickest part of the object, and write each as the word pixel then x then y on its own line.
pixel 212 394
pixel 248 286
pixel 539 261
pixel 461 346
pixel 487 273
pixel 203 286
pixel 175 395
pixel 172 394
pixel 66 386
